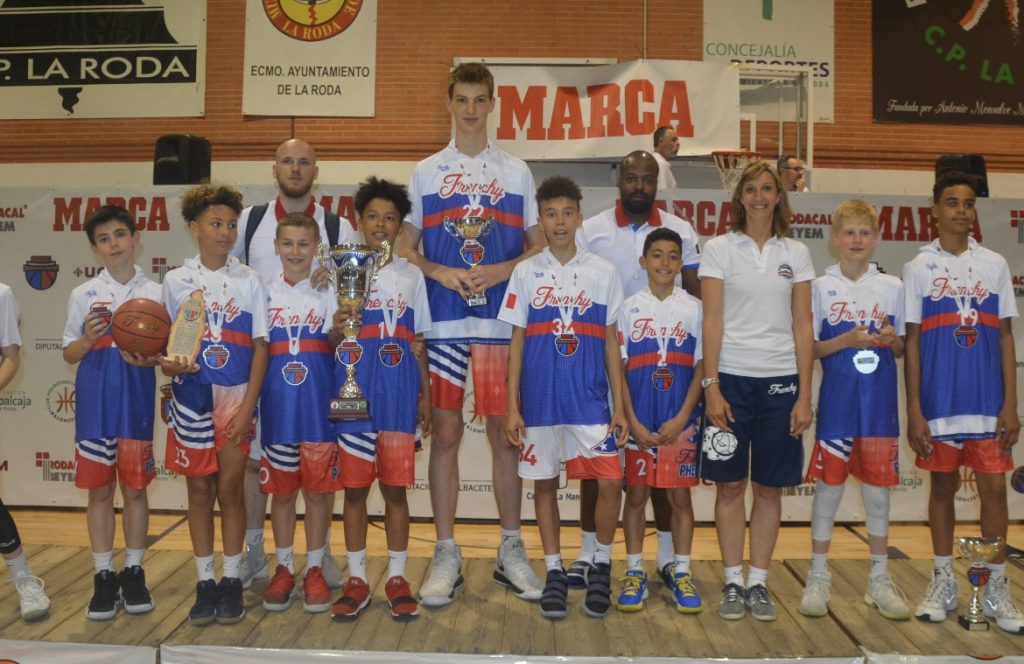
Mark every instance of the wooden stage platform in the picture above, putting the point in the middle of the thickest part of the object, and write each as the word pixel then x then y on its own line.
pixel 487 619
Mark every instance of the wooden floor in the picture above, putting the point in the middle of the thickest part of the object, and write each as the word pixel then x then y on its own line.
pixel 487 619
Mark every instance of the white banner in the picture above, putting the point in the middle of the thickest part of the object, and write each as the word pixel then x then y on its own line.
pixel 310 58
pixel 775 32
pixel 44 255
pixel 146 59
pixel 44 652
pixel 571 112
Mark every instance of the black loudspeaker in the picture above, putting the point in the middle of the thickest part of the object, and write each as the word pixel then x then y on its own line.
pixel 973 164
pixel 181 159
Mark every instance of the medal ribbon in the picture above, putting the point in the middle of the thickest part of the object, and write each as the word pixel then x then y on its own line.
pixel 215 309
pixel 968 316
pixel 474 194
pixel 661 332
pixel 390 314
pixel 565 311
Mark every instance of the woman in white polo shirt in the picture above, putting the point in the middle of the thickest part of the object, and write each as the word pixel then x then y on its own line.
pixel 758 354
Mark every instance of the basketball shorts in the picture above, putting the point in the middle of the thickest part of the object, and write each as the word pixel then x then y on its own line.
pixel 449 367
pixel 385 456
pixel 200 413
pixel 666 466
pixel 315 467
pixel 759 446
pixel 873 461
pixel 103 461
pixel 589 453
pixel 981 456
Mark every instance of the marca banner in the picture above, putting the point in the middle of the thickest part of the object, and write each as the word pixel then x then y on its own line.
pixel 44 255
pixel 947 62
pixel 611 110
pixel 310 58
pixel 780 33
pixel 100 59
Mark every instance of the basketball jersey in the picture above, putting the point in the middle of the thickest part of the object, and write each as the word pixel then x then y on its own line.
pixel 113 399
pixel 449 186
pixel 387 372
pixel 236 313
pixel 611 235
pixel 658 378
pixel 9 335
pixel 300 374
pixel 958 301
pixel 565 310
pixel 858 395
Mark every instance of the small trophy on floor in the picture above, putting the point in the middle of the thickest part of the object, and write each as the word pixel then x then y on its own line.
pixel 977 550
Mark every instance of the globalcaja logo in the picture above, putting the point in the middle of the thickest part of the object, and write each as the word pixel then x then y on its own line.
pixel 14 400
pixel 161 268
pixel 314 20
pixel 55 470
pixel 41 272
pixel 60 401
pixel 8 215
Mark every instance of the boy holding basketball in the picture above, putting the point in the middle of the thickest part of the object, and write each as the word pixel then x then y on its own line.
pixel 213 398
pixel 114 422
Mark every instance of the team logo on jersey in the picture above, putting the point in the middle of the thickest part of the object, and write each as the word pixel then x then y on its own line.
pixel 606 447
pixel 391 354
pixel 663 378
pixel 166 403
pixel 348 353
pixel 966 336
pixel 41 272
pixel 719 445
pixel 294 372
pixel 216 356
pixel 312 20
pixel 785 271
pixel 102 309
pixel 566 344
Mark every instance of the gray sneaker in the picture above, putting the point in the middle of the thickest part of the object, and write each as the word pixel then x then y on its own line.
pixel 255 565
pixel 886 596
pixel 814 603
pixel 332 570
pixel 759 603
pixel 732 606
pixel 445 576
pixel 512 570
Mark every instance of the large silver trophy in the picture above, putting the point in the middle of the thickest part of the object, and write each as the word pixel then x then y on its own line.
pixel 353 268
pixel 471 230
pixel 977 550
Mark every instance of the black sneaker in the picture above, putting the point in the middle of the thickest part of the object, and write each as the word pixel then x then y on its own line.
pixel 554 602
pixel 229 606
pixel 204 610
pixel 136 595
pixel 668 575
pixel 599 591
pixel 106 596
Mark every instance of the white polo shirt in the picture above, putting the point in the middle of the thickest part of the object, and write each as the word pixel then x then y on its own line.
pixel 757 313
pixel 666 180
pixel 610 235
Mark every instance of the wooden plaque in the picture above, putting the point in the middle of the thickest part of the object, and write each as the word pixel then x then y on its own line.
pixel 188 329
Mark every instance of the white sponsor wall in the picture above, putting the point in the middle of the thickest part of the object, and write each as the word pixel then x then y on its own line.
pixel 41 241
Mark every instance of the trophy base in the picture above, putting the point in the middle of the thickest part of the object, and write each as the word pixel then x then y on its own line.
pixel 973 624
pixel 476 300
pixel 346 410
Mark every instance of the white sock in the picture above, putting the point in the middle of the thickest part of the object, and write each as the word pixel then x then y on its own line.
pixel 588 544
pixel 507 534
pixel 232 565
pixel 315 558
pixel 734 575
pixel 103 562
pixel 19 566
pixel 634 561
pixel 357 564
pixel 204 568
pixel 998 571
pixel 666 550
pixel 133 557
pixel 757 576
pixel 682 563
pixel 879 566
pixel 944 564
pixel 554 561
pixel 396 562
pixel 819 562
pixel 286 557
pixel 603 553
pixel 254 539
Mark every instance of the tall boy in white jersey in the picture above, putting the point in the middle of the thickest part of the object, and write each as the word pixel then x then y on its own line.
pixel 471 179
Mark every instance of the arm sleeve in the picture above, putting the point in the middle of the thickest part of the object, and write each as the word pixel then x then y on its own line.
pixel 712 263
pixel 911 295
pixel 514 310
pixel 76 319
pixel 421 304
pixel 804 268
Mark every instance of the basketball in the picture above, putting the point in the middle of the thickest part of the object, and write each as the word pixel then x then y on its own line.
pixel 141 326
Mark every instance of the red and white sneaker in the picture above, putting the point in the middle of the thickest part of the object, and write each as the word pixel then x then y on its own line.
pixel 278 595
pixel 316 593
pixel 400 599
pixel 355 597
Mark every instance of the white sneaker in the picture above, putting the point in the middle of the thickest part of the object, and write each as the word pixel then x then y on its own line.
pixel 997 603
pixel 512 570
pixel 445 576
pixel 332 571
pixel 887 597
pixel 254 565
pixel 939 598
pixel 34 602
pixel 814 603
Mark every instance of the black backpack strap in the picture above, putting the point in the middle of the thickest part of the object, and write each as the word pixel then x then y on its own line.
pixel 255 217
pixel 332 223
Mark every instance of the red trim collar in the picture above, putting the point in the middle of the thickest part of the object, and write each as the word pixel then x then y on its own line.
pixel 280 212
pixel 622 220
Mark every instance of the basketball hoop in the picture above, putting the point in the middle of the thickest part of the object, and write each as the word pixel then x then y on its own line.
pixel 730 165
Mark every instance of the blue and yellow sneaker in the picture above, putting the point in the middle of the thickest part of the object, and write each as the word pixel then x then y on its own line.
pixel 634 591
pixel 687 599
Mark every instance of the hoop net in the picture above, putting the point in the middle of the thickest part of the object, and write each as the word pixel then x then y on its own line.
pixel 730 165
